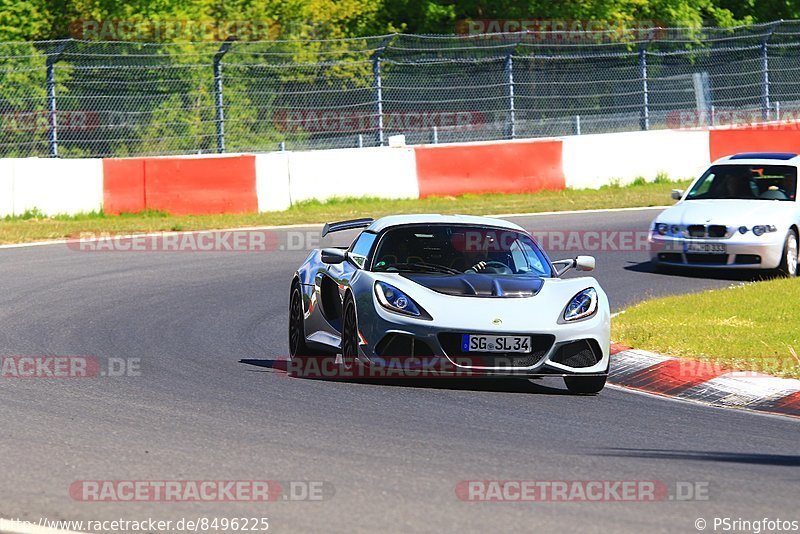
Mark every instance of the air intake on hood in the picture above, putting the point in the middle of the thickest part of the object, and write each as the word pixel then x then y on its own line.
pixel 480 285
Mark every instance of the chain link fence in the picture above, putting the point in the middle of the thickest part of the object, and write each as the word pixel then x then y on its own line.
pixel 86 98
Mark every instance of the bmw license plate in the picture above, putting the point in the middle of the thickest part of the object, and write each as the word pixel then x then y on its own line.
pixel 474 343
pixel 706 248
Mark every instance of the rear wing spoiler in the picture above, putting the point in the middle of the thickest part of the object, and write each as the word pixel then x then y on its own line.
pixel 352 224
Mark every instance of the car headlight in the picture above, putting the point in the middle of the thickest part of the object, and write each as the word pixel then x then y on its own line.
pixel 662 228
pixel 395 300
pixel 582 305
pixel 762 229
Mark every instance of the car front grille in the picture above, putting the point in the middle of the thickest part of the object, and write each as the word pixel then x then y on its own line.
pixel 540 345
pixel 700 230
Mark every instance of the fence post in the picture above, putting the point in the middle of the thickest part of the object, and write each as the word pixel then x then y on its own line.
pixel 52 122
pixel 511 122
pixel 765 82
pixel 378 84
pixel 644 121
pixel 577 125
pixel 218 103
pixel 765 104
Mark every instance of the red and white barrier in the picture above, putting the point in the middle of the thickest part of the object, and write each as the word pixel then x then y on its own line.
pixel 243 183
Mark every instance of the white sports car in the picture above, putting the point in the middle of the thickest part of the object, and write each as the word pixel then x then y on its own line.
pixel 742 213
pixel 456 294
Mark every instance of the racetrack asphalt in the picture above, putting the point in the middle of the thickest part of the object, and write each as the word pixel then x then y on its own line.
pixel 210 403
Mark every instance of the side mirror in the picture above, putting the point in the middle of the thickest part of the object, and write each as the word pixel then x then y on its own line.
pixel 581 263
pixel 677 194
pixel 333 256
pixel 585 263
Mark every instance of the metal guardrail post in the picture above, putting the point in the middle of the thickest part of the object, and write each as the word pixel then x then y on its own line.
pixel 765 82
pixel 511 124
pixel 644 120
pixel 377 81
pixel 52 120
pixel 218 102
pixel 765 103
pixel 378 87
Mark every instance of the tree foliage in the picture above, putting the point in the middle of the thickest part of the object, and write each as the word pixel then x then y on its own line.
pixel 50 19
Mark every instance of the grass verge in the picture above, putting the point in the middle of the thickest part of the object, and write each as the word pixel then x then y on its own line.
pixel 33 226
pixel 751 327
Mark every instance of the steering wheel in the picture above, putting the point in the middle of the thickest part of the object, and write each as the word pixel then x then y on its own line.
pixel 496 267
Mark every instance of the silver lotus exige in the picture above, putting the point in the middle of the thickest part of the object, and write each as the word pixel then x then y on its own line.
pixel 458 294
pixel 742 213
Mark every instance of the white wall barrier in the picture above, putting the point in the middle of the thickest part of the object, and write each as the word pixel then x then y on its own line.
pixel 272 181
pixel 53 186
pixel 6 187
pixel 591 161
pixel 353 172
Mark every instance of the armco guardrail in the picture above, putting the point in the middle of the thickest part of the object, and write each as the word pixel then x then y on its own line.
pixel 273 181
pixel 113 99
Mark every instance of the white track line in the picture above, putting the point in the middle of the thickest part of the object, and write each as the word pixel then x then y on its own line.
pixel 307 225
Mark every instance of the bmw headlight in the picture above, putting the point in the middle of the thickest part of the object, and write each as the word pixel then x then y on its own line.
pixel 582 305
pixel 662 228
pixel 395 300
pixel 762 229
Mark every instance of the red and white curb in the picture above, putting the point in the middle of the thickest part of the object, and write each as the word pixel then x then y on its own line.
pixel 703 382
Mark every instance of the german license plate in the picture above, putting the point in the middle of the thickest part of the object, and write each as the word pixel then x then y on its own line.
pixel 706 248
pixel 476 343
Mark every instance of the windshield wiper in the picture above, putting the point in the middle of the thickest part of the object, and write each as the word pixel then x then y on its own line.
pixel 429 267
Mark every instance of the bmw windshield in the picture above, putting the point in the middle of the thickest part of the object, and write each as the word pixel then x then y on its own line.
pixel 746 182
pixel 458 249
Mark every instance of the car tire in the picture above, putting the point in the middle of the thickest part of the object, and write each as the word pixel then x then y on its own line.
pixel 585 385
pixel 788 266
pixel 299 351
pixel 350 341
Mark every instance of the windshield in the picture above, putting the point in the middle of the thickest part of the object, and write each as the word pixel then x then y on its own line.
pixel 457 249
pixel 746 182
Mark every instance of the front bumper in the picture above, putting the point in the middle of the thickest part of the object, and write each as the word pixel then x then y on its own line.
pixel 395 342
pixel 741 251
